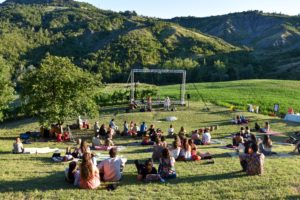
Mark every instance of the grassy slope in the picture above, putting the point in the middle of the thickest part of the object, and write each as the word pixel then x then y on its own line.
pixel 37 177
pixel 264 93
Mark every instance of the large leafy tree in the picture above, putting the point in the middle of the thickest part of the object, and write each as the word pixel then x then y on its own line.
pixel 6 89
pixel 58 90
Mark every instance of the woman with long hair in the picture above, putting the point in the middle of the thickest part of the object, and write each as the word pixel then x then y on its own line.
pixel 89 173
pixel 167 165
pixel 265 147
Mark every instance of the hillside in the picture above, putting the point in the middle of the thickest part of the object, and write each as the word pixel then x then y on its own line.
pixel 269 35
pixel 103 42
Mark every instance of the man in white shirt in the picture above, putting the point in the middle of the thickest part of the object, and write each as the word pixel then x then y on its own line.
pixel 112 167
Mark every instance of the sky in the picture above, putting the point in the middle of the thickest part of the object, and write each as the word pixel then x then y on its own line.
pixel 198 8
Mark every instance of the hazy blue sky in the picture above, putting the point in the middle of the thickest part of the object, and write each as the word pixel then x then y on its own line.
pixel 172 8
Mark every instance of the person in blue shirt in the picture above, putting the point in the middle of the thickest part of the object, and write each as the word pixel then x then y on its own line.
pixel 143 129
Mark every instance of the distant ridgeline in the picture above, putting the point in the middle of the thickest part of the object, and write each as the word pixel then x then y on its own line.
pixel 228 47
pixel 40 2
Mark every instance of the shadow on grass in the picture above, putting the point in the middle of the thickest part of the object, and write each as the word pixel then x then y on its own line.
pixel 54 181
pixel 17 123
pixel 213 177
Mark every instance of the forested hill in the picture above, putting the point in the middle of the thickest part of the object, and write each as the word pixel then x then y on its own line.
pixel 274 38
pixel 111 43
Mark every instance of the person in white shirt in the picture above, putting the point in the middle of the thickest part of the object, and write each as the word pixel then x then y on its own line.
pixel 96 128
pixel 206 138
pixel 171 131
pixel 18 146
pixel 111 168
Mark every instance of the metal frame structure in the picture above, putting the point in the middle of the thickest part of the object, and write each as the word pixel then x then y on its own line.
pixel 160 71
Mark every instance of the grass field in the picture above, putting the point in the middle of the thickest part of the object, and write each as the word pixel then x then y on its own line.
pixel 37 177
pixel 263 93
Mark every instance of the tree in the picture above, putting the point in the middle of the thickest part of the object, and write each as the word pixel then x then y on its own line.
pixel 58 90
pixel 6 89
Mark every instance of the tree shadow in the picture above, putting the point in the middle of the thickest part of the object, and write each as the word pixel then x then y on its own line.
pixel 53 181
pixel 17 123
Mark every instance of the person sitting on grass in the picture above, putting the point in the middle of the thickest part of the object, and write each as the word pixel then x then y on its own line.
pixel 198 156
pixel 103 131
pixel 126 128
pixel 252 162
pixel 237 139
pixel 157 150
pixel 186 151
pixel 166 167
pixel 171 131
pixel 265 147
pixel 18 146
pixel 196 137
pixel 72 174
pixel 163 142
pixel 111 169
pixel 206 138
pixel 143 129
pixel 182 132
pixel 89 173
pixel 135 130
pixel 147 172
pixel 96 141
pixel 146 140
pixel 175 150
pixel 247 133
pixel 266 128
pixel 110 132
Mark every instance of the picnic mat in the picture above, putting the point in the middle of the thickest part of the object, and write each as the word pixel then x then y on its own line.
pixel 40 150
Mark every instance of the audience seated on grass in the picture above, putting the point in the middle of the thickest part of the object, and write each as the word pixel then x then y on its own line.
pixel 18 146
pixel 110 132
pixel 96 141
pixel 135 130
pixel 108 144
pixel 185 152
pixel 147 172
pixel 146 140
pixel 206 138
pixel 175 150
pixel 96 129
pixel 237 139
pixel 89 173
pixel 196 137
pixel 252 162
pixel 163 142
pixel 171 131
pixel 113 125
pixel 103 131
pixel 240 119
pixel 56 157
pixel 157 150
pixel 166 167
pixel 266 128
pixel 151 132
pixel 265 147
pixel 72 174
pixel 143 129
pixel 198 156
pixel 125 128
pixel 111 169
pixel 182 131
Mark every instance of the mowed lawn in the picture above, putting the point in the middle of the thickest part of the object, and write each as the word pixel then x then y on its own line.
pixel 38 177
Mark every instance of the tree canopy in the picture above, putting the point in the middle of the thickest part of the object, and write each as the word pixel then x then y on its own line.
pixel 6 89
pixel 58 90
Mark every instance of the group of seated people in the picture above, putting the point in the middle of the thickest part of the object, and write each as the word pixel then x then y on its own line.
pixel 240 119
pixel 88 174
pixel 265 129
pixel 244 137
pixel 182 149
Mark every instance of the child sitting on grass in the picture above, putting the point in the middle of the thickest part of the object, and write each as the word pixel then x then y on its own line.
pixel 18 146
pixel 147 172
pixel 72 173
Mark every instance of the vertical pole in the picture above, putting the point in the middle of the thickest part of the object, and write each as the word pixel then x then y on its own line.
pixel 132 85
pixel 183 87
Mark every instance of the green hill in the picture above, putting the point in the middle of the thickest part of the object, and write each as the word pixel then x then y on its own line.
pixel 270 35
pixel 103 42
